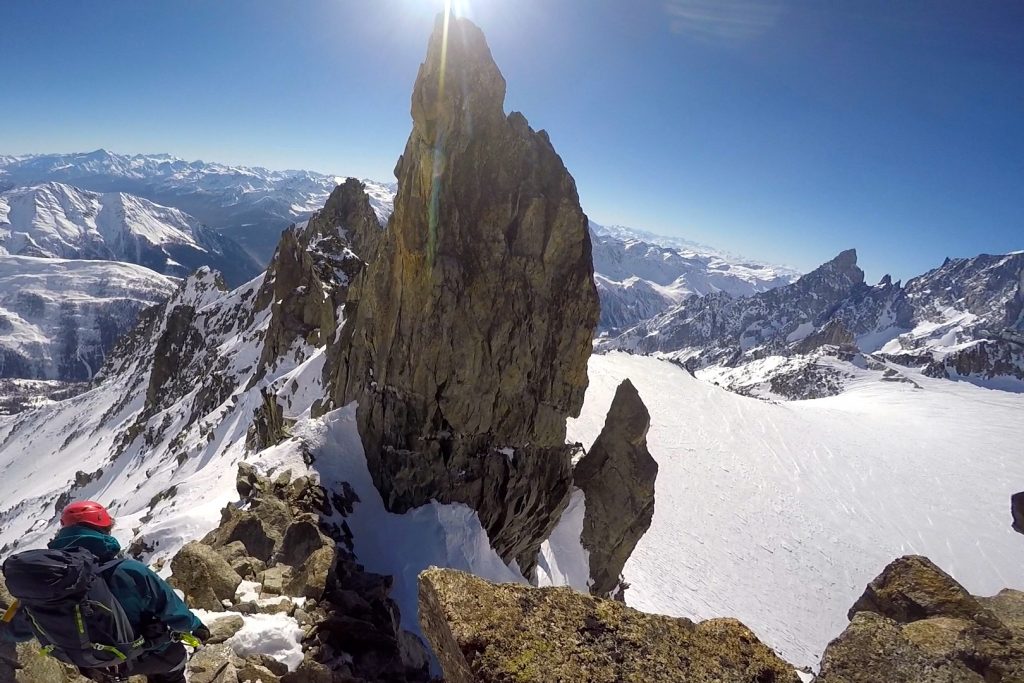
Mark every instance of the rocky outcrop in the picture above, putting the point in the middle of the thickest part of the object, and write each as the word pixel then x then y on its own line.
pixel 617 479
pixel 834 333
pixel 483 633
pixel 470 331
pixel 916 623
pixel 301 563
pixel 307 280
pixel 1017 511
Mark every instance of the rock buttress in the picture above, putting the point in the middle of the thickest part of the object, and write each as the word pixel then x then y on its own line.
pixel 469 333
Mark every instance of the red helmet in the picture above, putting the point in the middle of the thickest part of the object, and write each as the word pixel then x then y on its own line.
pixel 86 512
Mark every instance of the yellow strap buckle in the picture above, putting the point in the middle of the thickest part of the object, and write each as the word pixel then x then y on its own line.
pixel 8 616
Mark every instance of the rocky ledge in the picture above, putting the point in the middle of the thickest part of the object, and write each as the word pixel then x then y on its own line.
pixel 916 623
pixel 484 632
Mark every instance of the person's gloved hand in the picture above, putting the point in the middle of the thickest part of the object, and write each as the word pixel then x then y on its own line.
pixel 202 633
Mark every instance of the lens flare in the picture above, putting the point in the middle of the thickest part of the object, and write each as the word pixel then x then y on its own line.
pixel 437 173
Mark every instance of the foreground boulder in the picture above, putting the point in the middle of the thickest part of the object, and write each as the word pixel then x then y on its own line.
pixel 483 632
pixel 916 623
pixel 469 332
pixel 617 478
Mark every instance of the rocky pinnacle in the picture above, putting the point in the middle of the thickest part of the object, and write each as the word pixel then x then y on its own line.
pixel 468 335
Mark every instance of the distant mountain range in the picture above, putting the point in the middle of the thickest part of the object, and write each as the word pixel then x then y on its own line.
pixel 251 205
pixel 962 320
pixel 640 275
pixel 754 327
pixel 55 220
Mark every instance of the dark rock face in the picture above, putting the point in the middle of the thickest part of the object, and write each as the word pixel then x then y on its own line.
pixel 986 359
pixel 470 330
pixel 915 623
pixel 1017 511
pixel 913 588
pixel 617 479
pixel 486 633
pixel 834 333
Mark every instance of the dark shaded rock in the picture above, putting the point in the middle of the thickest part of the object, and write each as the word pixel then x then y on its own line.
pixel 834 333
pixel 1017 511
pixel 310 578
pixel 245 526
pixel 238 557
pixel 349 211
pixel 302 539
pixel 482 632
pixel 179 338
pixel 617 478
pixel 986 359
pixel 915 623
pixel 470 331
pixel 204 576
pixel 269 426
pixel 307 280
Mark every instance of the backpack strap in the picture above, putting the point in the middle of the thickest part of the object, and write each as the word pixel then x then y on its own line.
pixel 110 566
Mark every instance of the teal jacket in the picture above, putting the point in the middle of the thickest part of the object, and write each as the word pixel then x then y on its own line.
pixel 145 597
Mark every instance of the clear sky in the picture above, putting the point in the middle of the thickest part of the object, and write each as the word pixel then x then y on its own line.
pixel 785 130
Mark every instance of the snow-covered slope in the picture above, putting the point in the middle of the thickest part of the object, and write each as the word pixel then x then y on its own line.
pixel 59 318
pixel 638 279
pixel 61 221
pixel 779 514
pixel 252 205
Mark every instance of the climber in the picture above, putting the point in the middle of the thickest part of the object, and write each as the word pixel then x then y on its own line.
pixel 88 606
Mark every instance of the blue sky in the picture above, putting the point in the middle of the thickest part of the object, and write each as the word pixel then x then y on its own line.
pixel 780 129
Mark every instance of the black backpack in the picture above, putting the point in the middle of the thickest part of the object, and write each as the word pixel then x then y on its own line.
pixel 64 594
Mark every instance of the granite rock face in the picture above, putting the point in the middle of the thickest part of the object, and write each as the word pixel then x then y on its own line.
pixel 469 332
pixel 617 479
pixel 916 623
pixel 484 633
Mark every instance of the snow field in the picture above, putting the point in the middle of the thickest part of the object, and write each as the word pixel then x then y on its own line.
pixel 779 514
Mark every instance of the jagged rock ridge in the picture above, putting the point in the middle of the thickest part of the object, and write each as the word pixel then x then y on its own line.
pixel 470 331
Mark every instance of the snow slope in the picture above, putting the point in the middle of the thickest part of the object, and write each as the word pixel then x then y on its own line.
pixel 779 514
pixel 60 221
pixel 59 317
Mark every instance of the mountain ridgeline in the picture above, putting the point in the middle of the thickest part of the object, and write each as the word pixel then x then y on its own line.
pixel 961 320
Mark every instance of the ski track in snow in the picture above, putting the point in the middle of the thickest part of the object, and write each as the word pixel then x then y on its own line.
pixel 780 514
